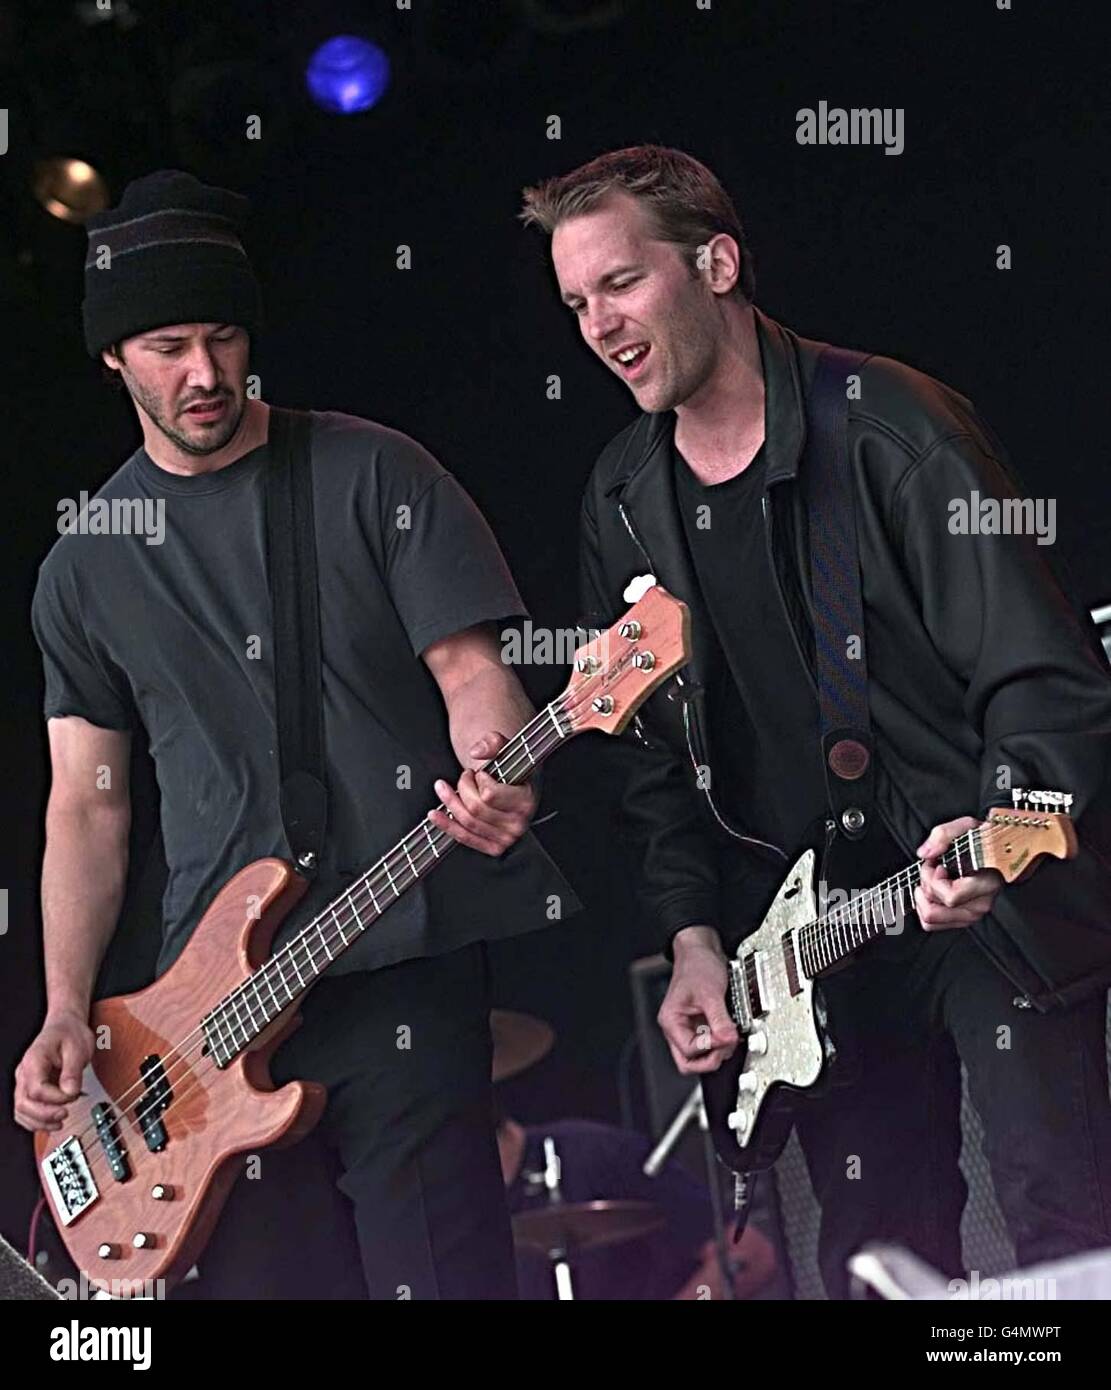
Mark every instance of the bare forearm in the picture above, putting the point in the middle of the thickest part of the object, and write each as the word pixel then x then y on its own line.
pixel 492 698
pixel 84 872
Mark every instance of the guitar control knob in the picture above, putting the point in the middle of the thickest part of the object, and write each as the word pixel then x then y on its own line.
pixel 644 660
pixel 747 1083
pixel 758 1043
pixel 142 1241
pixel 108 1252
pixel 162 1192
pixel 738 1120
pixel 631 630
pixel 603 704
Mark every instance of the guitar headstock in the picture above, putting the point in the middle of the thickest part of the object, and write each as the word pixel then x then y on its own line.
pixel 1014 838
pixel 618 669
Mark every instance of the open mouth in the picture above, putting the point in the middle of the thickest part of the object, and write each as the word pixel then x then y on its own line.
pixel 206 410
pixel 630 360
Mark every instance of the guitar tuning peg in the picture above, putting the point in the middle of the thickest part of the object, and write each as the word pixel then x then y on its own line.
pixel 1066 801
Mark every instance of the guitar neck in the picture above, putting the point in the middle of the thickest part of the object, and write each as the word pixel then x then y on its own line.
pixel 880 910
pixel 291 971
pixel 614 672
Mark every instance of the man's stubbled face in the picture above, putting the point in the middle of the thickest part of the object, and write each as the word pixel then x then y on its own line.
pixel 191 380
pixel 655 324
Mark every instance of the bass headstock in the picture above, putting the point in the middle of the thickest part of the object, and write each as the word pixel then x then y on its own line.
pixel 618 669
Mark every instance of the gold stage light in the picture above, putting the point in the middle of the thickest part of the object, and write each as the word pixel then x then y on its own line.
pixel 68 189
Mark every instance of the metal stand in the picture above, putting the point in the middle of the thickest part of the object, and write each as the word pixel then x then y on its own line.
pixel 557 1255
pixel 691 1109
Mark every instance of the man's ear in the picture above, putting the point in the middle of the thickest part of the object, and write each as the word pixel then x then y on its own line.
pixel 110 360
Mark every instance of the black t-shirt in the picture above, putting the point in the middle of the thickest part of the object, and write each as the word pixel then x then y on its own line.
pixel 173 631
pixel 766 711
pixel 763 712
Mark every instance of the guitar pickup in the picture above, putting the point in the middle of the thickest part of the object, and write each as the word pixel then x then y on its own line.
pixel 738 995
pixel 108 1132
pixel 153 1101
pixel 763 982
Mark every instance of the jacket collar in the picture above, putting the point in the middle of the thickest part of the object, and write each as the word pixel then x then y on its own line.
pixel 784 417
pixel 644 484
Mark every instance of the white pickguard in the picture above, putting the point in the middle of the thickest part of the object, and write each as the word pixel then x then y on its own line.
pixel 784 1044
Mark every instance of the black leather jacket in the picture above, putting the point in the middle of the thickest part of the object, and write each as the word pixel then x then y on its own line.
pixel 977 660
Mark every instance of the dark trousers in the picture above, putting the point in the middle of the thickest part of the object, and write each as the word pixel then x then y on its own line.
pixel 882 1147
pixel 408 1136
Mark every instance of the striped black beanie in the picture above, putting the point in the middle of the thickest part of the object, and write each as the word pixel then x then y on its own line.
pixel 170 253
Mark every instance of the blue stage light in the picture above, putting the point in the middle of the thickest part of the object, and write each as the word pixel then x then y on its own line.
pixel 347 74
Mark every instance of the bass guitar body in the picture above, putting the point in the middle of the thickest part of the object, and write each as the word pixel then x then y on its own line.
pixel 139 1183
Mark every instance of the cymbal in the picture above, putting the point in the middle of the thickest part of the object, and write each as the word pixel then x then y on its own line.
pixel 578 1226
pixel 519 1041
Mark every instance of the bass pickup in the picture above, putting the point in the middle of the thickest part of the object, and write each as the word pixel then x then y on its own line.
pixel 108 1132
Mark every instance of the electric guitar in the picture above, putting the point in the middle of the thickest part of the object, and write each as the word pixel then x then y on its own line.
pixel 785 1045
pixel 184 1088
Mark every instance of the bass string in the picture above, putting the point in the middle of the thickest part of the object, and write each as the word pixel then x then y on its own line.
pixel 180 1055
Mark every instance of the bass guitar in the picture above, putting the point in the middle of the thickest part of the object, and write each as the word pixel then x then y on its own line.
pixel 184 1087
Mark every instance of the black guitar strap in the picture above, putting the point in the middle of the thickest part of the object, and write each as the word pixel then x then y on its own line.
pixel 840 657
pixel 295 614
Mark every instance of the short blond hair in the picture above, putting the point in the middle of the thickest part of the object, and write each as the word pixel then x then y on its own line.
pixel 686 203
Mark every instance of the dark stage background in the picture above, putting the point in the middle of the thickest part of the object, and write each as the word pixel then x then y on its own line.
pixel 893 254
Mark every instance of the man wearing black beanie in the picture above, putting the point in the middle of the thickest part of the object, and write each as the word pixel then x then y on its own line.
pixel 172 633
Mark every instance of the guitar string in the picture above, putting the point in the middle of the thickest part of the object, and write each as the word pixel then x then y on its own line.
pixel 197 1077
pixel 816 938
pixel 363 887
pixel 815 932
pixel 811 931
pixel 179 1055
pixel 855 913
pixel 813 935
pixel 816 935
pixel 547 721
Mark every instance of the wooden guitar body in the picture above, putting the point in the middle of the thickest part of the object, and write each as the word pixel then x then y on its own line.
pixel 152 1223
